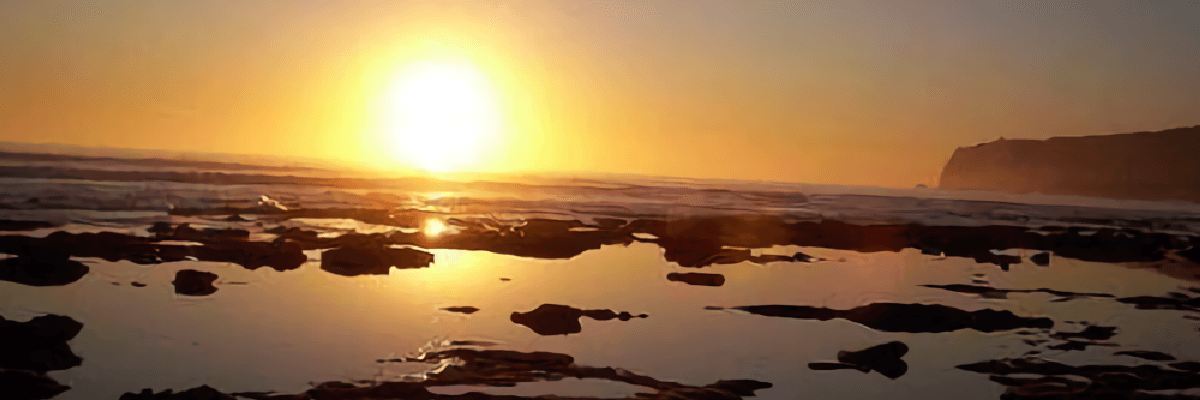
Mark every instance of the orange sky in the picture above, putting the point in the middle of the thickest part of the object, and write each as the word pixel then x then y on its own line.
pixel 822 92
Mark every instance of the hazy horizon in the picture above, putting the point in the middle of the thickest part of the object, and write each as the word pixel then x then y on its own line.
pixel 827 93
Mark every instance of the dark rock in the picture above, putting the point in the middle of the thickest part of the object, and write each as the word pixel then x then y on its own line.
pixel 161 228
pixel 1087 381
pixel 884 358
pixel 137 284
pixel 11 225
pixel 994 293
pixel 465 310
pixel 187 232
pixel 555 319
pixel 42 267
pixel 1041 259
pixel 697 279
pixel 372 260
pixel 280 256
pixel 504 368
pixel 39 344
pixel 28 385
pixel 190 282
pixel 475 343
pixel 828 366
pixel 1187 366
pixel 235 218
pixel 1077 345
pixel 218 246
pixel 1088 333
pixel 913 318
pixel 198 393
pixel 1146 354
pixel 1162 303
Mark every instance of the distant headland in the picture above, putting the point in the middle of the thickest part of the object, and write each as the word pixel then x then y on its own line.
pixel 1163 165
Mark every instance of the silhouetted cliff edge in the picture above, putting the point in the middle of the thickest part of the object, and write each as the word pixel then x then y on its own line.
pixel 1161 165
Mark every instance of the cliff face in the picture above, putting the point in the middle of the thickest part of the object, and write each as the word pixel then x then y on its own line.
pixel 1161 165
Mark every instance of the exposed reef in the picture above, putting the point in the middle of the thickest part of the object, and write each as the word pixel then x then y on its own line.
pixel 697 279
pixel 884 358
pixel 555 319
pixel 42 267
pixel 29 349
pixel 912 318
pixel 696 242
pixel 11 225
pixel 1054 380
pixel 29 385
pixel 994 293
pixel 497 368
pixel 372 260
pixel 190 282
pixel 462 309
pixel 197 393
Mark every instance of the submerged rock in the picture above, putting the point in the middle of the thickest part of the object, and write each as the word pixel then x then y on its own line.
pixel 190 282
pixel 555 319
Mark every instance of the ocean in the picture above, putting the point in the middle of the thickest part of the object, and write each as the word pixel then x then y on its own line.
pixel 268 281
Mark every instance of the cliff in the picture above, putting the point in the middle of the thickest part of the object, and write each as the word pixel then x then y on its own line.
pixel 1161 165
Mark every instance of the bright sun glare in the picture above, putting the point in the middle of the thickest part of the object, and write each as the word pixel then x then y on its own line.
pixel 434 227
pixel 442 115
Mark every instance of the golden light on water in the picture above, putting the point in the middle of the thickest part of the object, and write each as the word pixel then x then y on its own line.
pixel 434 227
pixel 441 116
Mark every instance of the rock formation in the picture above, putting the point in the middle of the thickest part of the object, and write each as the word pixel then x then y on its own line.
pixel 1144 166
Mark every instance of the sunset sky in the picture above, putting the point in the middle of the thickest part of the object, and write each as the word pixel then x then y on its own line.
pixel 844 92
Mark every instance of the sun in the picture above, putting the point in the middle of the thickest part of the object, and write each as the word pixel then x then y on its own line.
pixel 441 115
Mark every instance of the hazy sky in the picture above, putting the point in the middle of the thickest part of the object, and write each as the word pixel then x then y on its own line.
pixel 849 92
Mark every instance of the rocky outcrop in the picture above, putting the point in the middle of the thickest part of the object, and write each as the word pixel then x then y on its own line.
pixel 1145 166
pixel 884 358
pixel 462 367
pixel 556 319
pixel 910 318
pixel 190 282
pixel 29 349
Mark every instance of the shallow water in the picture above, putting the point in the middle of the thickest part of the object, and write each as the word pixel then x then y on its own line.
pixel 266 330
pixel 281 330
